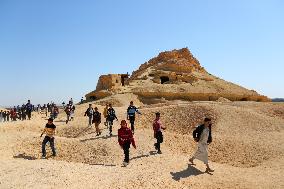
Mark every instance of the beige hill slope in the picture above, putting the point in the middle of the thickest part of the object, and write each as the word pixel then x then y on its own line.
pixel 247 149
pixel 173 75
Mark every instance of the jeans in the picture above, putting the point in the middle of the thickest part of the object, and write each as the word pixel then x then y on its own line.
pixel 90 120
pixel 132 122
pixel 126 147
pixel 110 123
pixel 51 142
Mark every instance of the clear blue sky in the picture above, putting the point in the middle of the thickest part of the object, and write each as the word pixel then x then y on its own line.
pixel 56 49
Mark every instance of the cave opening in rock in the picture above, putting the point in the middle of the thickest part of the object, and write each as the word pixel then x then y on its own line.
pixel 164 79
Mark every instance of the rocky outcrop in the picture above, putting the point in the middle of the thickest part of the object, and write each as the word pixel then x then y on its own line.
pixel 177 61
pixel 172 75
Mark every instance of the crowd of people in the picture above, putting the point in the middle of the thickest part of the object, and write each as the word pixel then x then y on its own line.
pixel 202 134
pixel 23 112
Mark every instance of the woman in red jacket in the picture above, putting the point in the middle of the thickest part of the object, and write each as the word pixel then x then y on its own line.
pixel 125 139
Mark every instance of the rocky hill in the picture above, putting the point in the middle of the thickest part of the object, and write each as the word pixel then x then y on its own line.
pixel 175 74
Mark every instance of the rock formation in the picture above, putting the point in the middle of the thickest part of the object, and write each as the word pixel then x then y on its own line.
pixel 175 74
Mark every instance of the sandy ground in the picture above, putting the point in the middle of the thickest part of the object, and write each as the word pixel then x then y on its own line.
pixel 247 150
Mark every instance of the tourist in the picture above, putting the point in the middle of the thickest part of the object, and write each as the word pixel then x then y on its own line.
pixel 90 112
pixel 202 135
pixel 105 115
pixel 55 112
pixel 131 111
pixel 49 130
pixel 97 119
pixel 29 109
pixel 125 139
pixel 71 102
pixel 1 116
pixel 72 114
pixel 8 115
pixel 157 127
pixel 23 112
pixel 68 112
pixel 4 116
pixel 14 114
pixel 111 116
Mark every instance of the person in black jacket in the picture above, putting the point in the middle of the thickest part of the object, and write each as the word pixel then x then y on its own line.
pixel 202 135
pixel 97 119
pixel 131 111
pixel 90 112
pixel 111 116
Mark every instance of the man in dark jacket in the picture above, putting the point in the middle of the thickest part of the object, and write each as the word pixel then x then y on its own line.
pixel 111 116
pixel 29 109
pixel 97 119
pixel 131 112
pixel 90 112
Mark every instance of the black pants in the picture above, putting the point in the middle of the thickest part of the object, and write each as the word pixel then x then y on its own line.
pixel 110 124
pixel 132 122
pixel 51 142
pixel 160 139
pixel 126 147
pixel 29 113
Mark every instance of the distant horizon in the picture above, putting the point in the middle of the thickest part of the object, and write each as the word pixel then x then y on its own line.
pixel 55 50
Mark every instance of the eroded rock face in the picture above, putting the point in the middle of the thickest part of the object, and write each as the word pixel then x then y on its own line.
pixel 176 61
pixel 175 74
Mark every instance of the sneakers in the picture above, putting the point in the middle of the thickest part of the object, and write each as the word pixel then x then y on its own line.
pixel 125 163
pixel 159 152
pixel 43 157
pixel 208 170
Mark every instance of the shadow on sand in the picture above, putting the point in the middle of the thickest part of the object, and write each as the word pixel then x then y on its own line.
pixel 60 121
pixel 151 153
pixel 96 138
pixel 190 171
pixel 105 165
pixel 24 156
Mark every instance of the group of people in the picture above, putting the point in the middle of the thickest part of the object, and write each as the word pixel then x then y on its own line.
pixel 23 112
pixel 202 134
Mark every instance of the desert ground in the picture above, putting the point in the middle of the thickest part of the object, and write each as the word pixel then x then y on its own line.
pixel 247 149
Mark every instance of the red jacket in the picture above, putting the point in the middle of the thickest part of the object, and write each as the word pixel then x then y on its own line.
pixel 125 135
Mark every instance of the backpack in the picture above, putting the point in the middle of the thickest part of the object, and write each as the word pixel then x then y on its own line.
pixel 198 131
